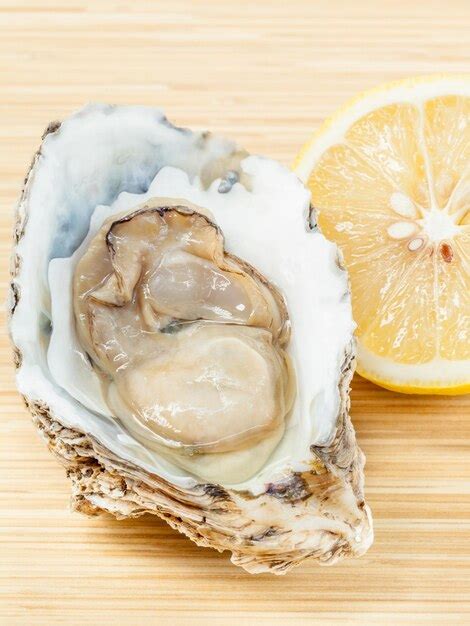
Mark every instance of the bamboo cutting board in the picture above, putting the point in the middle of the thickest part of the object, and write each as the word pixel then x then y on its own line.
pixel 265 73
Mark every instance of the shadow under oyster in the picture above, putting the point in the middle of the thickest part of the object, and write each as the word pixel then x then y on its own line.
pixel 183 338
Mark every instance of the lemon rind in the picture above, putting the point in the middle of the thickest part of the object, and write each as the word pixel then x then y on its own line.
pixel 455 390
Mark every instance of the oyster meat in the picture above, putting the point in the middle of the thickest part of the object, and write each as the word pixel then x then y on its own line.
pixel 183 339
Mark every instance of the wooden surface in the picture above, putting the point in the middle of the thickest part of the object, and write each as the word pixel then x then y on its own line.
pixel 265 73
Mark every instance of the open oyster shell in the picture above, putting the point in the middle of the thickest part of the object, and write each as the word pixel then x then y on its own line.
pixel 306 499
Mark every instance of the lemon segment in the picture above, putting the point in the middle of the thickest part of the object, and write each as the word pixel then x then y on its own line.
pixel 389 176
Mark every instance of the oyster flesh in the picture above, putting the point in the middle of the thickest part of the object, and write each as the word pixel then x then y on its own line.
pixel 183 339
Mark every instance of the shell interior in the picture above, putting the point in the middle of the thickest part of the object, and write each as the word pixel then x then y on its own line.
pixel 104 162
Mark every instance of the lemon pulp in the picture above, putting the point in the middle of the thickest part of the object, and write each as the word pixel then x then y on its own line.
pixel 390 181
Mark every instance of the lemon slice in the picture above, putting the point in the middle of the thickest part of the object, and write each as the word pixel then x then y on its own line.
pixel 390 181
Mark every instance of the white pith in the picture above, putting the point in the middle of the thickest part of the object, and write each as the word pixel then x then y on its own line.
pixel 424 226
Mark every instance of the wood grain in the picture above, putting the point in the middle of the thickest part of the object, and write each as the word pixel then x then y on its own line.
pixel 265 73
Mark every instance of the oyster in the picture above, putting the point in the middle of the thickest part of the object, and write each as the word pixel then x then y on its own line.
pixel 183 339
pixel 189 338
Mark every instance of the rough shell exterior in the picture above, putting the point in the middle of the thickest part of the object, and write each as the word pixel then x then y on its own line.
pixel 265 533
